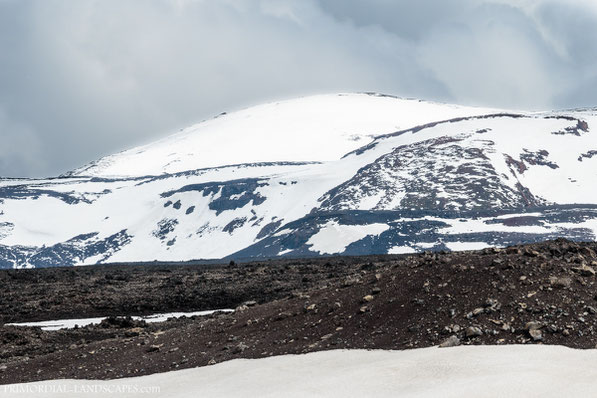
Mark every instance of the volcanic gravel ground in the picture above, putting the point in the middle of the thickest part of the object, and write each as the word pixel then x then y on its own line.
pixel 83 292
pixel 534 294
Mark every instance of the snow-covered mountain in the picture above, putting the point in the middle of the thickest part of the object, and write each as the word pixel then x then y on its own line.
pixel 318 128
pixel 332 174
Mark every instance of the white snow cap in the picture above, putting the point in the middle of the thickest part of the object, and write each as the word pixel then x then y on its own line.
pixel 315 128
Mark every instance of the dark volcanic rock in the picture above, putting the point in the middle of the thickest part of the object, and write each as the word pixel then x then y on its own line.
pixel 522 295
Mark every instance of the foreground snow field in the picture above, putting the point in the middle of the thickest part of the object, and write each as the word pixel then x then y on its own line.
pixel 466 371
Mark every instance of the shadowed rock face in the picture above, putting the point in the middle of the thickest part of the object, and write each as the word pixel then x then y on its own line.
pixel 230 194
pixel 165 227
pixel 587 155
pixel 71 252
pixel 420 230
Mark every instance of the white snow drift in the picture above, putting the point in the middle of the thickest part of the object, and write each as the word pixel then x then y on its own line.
pixel 460 372
pixel 334 238
pixel 81 322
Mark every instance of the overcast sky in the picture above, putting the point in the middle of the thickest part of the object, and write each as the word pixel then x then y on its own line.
pixel 80 79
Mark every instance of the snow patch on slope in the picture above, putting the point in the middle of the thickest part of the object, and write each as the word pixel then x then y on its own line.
pixel 401 250
pixel 461 246
pixel 82 322
pixel 334 238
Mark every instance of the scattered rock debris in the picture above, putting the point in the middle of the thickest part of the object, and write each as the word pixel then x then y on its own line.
pixel 535 294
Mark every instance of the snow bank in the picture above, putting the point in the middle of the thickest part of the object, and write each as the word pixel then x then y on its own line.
pixel 468 371
pixel 335 238
pixel 71 323
pixel 461 246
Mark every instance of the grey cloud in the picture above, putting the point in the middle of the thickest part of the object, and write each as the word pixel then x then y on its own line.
pixel 411 20
pixel 20 151
pixel 513 54
pixel 86 78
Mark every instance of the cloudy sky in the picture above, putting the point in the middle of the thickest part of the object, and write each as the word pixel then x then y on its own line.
pixel 80 79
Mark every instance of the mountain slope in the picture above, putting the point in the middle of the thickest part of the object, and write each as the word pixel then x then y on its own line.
pixel 475 179
pixel 318 128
